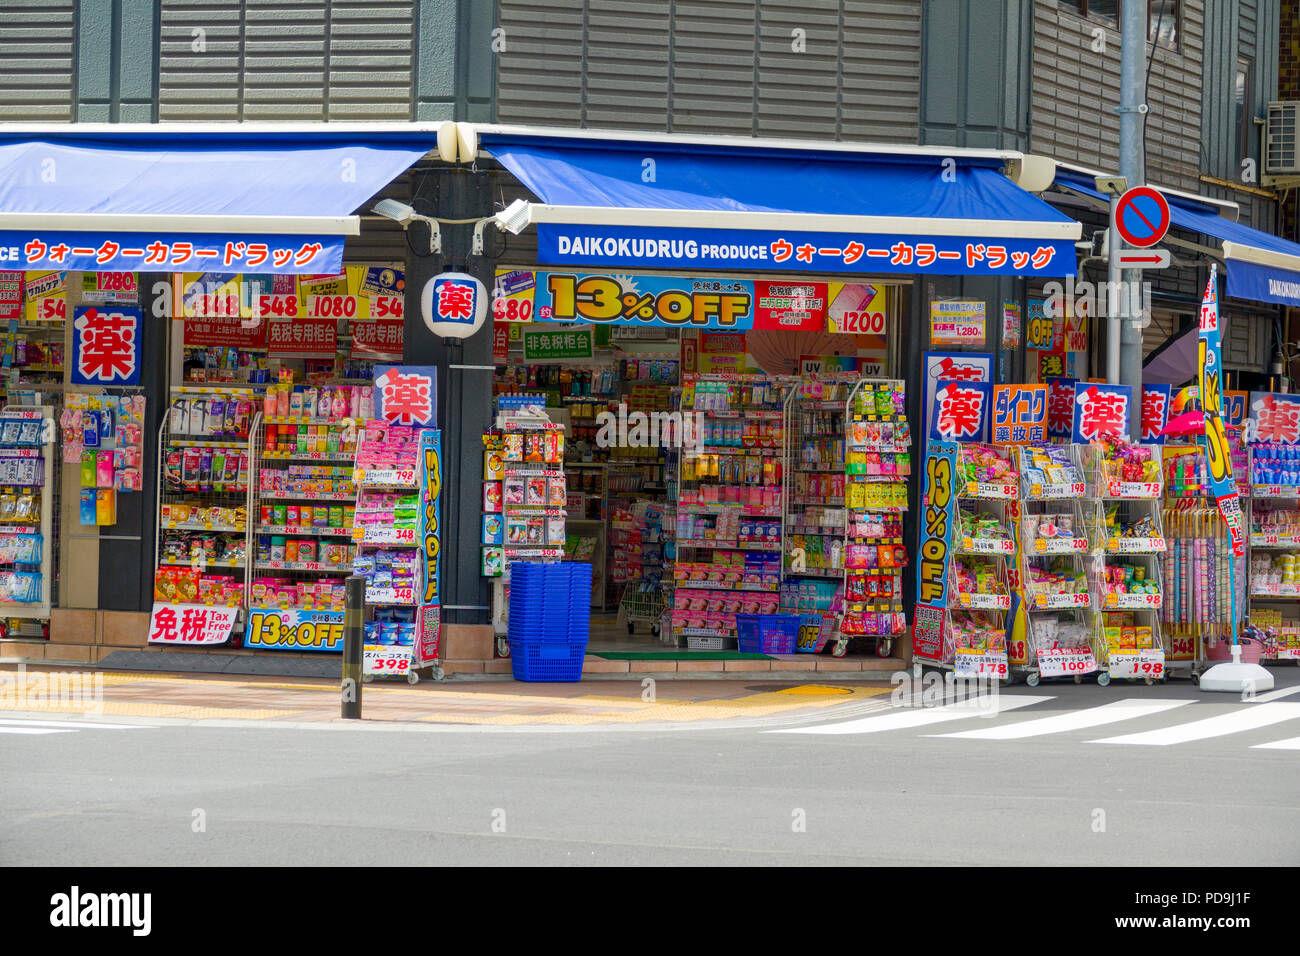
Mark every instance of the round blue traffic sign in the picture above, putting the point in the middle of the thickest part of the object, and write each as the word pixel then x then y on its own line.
pixel 1142 216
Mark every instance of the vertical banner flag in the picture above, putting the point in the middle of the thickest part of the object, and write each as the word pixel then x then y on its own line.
pixel 939 502
pixel 961 411
pixel 1217 453
pixel 1155 414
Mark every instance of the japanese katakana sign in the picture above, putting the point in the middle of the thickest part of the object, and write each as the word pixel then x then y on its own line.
pixel 106 343
pixel 764 249
pixel 1155 413
pixel 557 343
pixel 1274 417
pixel 1234 409
pixel 1100 411
pixel 961 411
pixel 1019 414
pixel 190 624
pixel 406 394
pixel 170 252
pixel 1060 406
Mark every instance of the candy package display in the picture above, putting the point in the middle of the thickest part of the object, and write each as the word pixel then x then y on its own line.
pixel 1052 631
pixel 1046 467
pixel 1128 579
pixel 20 548
pixel 986 464
pixel 983 527
pixel 1270 573
pixel 323 480
pixel 1285 523
pixel 1125 462
pixel 321 594
pixel 202 548
pixel 977 576
pixel 1123 634
pixel 1143 527
pixel 972 631
pixel 1057 578
pixel 1048 527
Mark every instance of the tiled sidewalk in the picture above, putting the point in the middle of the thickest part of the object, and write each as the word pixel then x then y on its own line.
pixel 506 703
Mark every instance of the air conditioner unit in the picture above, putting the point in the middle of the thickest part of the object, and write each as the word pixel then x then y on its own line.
pixel 1282 144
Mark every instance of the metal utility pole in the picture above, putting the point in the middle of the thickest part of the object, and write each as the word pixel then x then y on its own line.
pixel 1132 166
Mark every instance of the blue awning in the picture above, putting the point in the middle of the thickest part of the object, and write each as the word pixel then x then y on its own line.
pixel 1260 265
pixel 612 202
pixel 156 200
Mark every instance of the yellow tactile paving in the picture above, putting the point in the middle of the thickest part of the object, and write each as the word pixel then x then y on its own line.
pixel 211 697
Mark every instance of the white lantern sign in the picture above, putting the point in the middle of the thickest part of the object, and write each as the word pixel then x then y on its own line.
pixel 454 305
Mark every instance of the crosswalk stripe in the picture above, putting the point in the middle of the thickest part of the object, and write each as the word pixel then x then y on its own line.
pixel 1291 744
pixel 67 724
pixel 1070 720
pixel 1274 695
pixel 1233 722
pixel 904 718
pixel 35 730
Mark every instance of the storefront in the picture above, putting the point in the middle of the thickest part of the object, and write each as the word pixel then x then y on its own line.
pixel 774 306
pixel 167 285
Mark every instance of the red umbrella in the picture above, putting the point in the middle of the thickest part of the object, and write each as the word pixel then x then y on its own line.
pixel 1188 423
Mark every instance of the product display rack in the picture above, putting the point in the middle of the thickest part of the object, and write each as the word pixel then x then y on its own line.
pixel 1272 516
pixel 1124 519
pixel 729 500
pixel 195 505
pixel 302 511
pixel 26 540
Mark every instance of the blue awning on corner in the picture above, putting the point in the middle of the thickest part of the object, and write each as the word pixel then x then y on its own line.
pixel 99 199
pixel 1259 265
pixel 657 203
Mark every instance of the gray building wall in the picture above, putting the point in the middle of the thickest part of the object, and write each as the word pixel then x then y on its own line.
pixel 834 69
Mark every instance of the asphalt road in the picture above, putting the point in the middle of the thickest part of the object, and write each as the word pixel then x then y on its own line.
pixel 879 794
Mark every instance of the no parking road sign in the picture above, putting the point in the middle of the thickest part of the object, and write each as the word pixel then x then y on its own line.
pixel 1142 216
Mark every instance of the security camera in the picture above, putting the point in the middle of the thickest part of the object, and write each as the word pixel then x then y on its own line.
pixel 399 212
pixel 516 217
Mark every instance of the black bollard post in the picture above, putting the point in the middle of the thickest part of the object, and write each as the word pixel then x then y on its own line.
pixel 353 621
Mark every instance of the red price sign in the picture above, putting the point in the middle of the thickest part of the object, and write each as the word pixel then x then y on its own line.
pixel 279 306
pixel 115 281
pixel 385 660
pixel 52 308
pixel 332 306
pixel 512 310
pixel 387 305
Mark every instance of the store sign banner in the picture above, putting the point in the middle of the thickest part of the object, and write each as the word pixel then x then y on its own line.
pixel 328 284
pixel 191 625
pixel 46 297
pixel 428 639
pixel 383 281
pixel 407 394
pixel 961 411
pixel 938 501
pixel 1274 417
pixel 1040 329
pixel 1263 283
pixel 303 338
pixel 430 493
pixel 702 303
pixel 790 305
pixel 957 323
pixel 950 367
pixel 658 247
pixel 106 344
pixel 1100 411
pixel 1218 454
pixel 11 295
pixel 500 343
pixel 292 629
pixel 827 364
pixel 169 252
pixel 551 344
pixel 512 295
pixel 1234 409
pixel 109 288
pixel 726 342
pixel 1019 414
pixel 226 330
pixel 1055 365
pixel 1060 406
pixel 379 337
pixel 1155 413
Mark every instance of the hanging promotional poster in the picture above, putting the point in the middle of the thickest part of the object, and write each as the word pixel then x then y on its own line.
pixel 938 513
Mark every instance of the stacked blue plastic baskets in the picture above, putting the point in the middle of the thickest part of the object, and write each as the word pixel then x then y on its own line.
pixel 550 620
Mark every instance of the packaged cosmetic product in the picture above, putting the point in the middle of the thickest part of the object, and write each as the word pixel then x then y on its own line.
pixel 105 506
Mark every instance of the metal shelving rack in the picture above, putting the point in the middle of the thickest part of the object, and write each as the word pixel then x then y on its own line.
pixel 174 489
pixel 1133 501
pixel 1273 598
pixel 44 525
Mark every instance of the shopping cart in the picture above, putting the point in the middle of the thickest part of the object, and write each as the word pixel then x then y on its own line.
pixel 643 603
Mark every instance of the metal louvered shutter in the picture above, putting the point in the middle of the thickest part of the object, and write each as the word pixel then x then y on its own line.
pixel 540 70
pixel 882 71
pixel 37 40
pixel 287 59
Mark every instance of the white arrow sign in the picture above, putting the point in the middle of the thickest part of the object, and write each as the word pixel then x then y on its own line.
pixel 1143 259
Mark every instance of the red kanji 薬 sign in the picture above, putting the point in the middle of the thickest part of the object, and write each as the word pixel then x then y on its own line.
pixel 106 344
pixel 1274 418
pixel 1100 411
pixel 406 395
pixel 961 411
